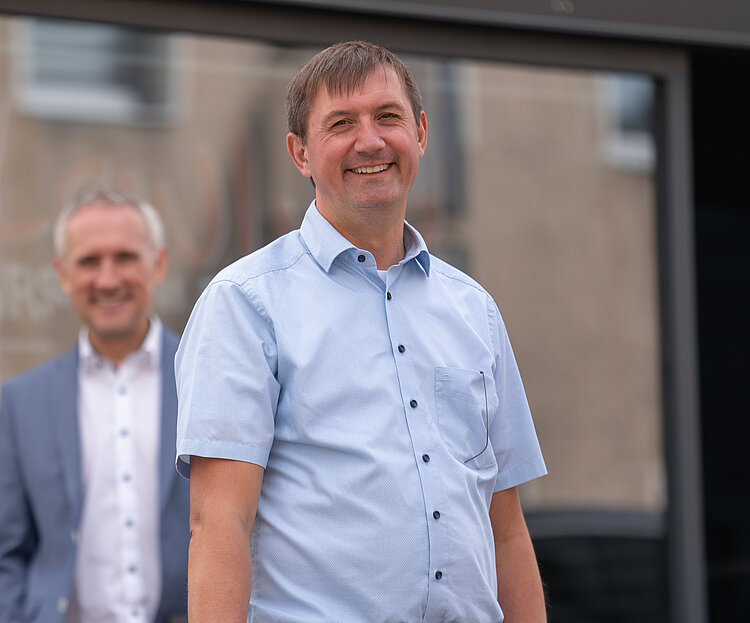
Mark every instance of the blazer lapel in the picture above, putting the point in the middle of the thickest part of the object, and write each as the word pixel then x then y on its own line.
pixel 63 405
pixel 168 438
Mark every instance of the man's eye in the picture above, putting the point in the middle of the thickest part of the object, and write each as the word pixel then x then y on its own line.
pixel 126 257
pixel 340 123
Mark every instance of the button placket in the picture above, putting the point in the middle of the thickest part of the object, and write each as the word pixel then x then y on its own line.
pixel 421 425
pixel 127 485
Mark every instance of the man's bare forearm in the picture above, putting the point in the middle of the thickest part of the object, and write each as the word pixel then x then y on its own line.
pixel 219 573
pixel 520 590
pixel 519 585
pixel 223 500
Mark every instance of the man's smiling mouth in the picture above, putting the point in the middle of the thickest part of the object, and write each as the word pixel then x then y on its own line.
pixel 109 301
pixel 376 169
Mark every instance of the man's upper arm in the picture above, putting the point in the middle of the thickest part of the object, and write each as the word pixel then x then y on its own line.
pixel 227 388
pixel 224 487
pixel 512 433
pixel 506 515
pixel 17 536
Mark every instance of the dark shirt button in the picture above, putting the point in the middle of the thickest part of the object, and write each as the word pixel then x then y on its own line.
pixel 388 295
pixel 126 477
pixel 426 458
pixel 401 348
pixel 436 514
pixel 438 575
pixel 361 258
pixel 413 404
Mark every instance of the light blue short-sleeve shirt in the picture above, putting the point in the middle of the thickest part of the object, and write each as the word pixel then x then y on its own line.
pixel 385 412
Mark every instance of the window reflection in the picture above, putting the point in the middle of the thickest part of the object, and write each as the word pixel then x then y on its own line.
pixel 628 111
pixel 92 73
pixel 537 182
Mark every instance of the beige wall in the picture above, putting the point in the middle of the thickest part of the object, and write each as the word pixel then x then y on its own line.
pixel 566 244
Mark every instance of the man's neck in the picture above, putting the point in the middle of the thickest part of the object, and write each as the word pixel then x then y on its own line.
pixel 381 233
pixel 116 349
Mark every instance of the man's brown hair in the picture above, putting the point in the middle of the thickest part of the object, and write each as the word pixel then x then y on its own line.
pixel 340 69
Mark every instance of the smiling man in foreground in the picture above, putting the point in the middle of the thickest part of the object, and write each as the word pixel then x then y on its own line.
pixel 351 414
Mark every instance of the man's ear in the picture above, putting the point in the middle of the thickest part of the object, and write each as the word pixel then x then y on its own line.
pixel 422 133
pixel 298 152
pixel 62 275
pixel 160 265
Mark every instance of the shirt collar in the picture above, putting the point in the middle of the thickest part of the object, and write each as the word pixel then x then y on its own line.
pixel 149 350
pixel 326 244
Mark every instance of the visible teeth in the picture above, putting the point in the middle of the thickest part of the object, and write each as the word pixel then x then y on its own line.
pixel 375 169
pixel 102 300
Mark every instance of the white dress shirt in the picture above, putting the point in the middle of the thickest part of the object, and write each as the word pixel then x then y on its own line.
pixel 118 570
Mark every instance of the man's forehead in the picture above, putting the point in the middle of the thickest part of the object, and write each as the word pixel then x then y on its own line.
pixel 94 222
pixel 343 86
pixel 100 211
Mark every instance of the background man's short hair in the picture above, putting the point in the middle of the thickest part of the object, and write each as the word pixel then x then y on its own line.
pixel 340 68
pixel 109 197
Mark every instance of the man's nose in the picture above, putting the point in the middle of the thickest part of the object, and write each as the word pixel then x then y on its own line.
pixel 369 137
pixel 107 277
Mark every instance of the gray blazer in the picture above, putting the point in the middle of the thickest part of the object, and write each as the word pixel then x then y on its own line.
pixel 40 493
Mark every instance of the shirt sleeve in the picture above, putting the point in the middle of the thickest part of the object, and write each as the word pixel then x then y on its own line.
pixel 225 370
pixel 18 541
pixel 512 433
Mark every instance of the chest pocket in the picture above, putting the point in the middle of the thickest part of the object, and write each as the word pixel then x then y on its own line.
pixel 464 400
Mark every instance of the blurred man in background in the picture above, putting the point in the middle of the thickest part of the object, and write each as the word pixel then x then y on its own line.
pixel 93 519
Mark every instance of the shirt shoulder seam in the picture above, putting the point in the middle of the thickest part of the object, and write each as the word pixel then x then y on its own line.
pixel 249 278
pixel 460 277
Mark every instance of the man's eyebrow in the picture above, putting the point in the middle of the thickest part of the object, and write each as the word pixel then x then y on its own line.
pixel 86 257
pixel 335 114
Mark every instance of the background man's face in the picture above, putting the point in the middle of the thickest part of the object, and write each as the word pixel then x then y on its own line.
pixel 109 271
pixel 363 148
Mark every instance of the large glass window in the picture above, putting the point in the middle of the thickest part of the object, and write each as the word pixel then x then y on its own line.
pixel 537 182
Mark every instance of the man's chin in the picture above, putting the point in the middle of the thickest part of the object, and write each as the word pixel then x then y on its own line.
pixel 112 332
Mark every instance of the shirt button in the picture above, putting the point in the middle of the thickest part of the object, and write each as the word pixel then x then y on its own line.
pixel 436 514
pixel 124 432
pixel 438 575
pixel 129 523
pixel 426 458
pixel 75 536
pixel 126 477
pixel 131 569
pixel 123 391
pixel 401 348
pixel 413 404
pixel 361 258
pixel 62 605
pixel 388 295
